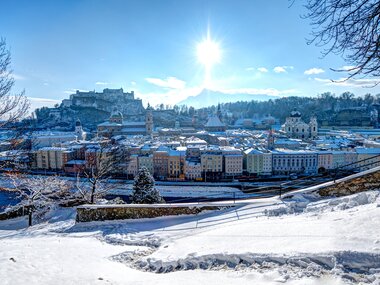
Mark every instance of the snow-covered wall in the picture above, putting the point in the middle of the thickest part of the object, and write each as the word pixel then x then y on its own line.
pixel 365 182
pixel 88 213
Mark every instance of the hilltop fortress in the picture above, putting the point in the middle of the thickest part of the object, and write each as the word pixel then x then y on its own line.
pixel 107 101
pixel 92 108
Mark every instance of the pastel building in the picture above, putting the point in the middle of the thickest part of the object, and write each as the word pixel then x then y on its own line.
pixel 53 158
pixel 287 162
pixel 233 161
pixel 193 170
pixel 160 163
pixel 212 164
pixel 146 161
pixel 132 165
pixel 368 158
pixel 258 162
pixel 176 161
pixel 325 160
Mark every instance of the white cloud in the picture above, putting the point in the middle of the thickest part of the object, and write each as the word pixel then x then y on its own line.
pixel 282 69
pixel 36 102
pixel 250 69
pixel 101 83
pixel 171 96
pixel 262 69
pixel 169 82
pixel 73 91
pixel 279 69
pixel 174 96
pixel 345 82
pixel 314 70
pixel 133 83
pixel 261 91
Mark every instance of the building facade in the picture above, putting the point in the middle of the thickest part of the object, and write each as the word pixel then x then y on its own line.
pixel 212 164
pixel 116 125
pixel 287 162
pixel 295 127
pixel 53 158
pixel 258 162
pixel 193 170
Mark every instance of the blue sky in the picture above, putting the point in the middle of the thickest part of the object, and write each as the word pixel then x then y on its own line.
pixel 150 47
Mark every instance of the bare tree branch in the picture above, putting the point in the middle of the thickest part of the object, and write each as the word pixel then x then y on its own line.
pixel 349 28
pixel 13 107
pixel 105 161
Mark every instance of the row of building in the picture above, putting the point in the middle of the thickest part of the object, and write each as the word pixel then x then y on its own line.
pixel 203 162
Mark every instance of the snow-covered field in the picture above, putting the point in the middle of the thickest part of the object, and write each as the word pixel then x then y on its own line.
pixel 302 240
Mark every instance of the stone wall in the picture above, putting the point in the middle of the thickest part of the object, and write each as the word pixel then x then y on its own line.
pixel 14 213
pixel 88 213
pixel 370 181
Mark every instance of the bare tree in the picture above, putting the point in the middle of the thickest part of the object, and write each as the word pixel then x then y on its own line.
pixel 103 162
pixel 39 194
pixel 12 106
pixel 349 28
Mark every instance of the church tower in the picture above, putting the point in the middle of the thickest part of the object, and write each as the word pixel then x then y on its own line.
pixel 270 140
pixel 313 127
pixel 219 113
pixel 79 130
pixel 149 120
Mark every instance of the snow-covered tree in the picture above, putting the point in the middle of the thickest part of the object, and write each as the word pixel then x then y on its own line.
pixel 144 191
pixel 39 194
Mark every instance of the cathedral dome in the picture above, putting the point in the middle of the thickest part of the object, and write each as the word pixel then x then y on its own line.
pixel 116 114
pixel 295 113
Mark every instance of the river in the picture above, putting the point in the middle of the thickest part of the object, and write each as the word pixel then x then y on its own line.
pixel 7 198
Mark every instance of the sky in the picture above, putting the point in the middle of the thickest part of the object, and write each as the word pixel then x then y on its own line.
pixel 152 48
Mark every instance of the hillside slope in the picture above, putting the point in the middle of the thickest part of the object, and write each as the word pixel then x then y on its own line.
pixel 302 240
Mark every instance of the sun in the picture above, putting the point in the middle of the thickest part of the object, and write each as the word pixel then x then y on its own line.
pixel 208 53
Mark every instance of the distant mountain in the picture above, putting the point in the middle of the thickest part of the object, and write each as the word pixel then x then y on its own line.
pixel 209 97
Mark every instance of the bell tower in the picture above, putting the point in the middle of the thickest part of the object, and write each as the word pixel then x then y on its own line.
pixel 79 130
pixel 313 127
pixel 149 120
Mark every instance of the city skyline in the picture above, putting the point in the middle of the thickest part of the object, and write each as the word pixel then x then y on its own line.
pixel 58 48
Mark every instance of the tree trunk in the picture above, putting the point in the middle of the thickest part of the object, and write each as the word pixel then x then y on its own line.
pixel 93 193
pixel 30 218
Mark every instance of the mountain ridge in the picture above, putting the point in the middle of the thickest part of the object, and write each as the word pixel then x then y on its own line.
pixel 209 97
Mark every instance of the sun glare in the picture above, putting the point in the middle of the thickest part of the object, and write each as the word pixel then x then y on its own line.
pixel 208 53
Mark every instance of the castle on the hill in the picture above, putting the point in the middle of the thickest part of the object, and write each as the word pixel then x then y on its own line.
pixel 106 101
pixel 92 108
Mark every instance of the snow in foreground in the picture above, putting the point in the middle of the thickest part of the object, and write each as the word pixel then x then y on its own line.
pixel 303 240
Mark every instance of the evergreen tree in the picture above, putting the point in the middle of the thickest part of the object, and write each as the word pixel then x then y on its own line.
pixel 144 191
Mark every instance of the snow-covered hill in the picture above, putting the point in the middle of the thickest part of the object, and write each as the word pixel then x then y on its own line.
pixel 302 240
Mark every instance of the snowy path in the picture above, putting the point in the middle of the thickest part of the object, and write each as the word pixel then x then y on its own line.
pixel 297 241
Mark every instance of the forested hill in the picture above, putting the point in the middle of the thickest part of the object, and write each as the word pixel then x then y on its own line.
pixel 323 106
